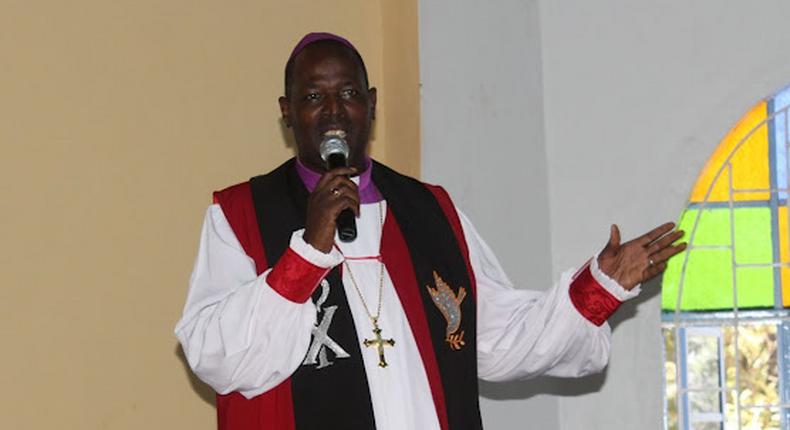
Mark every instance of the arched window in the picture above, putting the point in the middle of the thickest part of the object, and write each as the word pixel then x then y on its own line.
pixel 726 299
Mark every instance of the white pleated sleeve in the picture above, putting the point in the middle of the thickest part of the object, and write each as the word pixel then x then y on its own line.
pixel 239 334
pixel 525 333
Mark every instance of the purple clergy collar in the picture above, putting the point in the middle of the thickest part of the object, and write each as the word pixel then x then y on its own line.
pixel 368 193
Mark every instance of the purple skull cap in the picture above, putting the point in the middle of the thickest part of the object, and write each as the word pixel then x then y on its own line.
pixel 317 37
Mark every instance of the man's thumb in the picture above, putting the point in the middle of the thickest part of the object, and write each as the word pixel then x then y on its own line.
pixel 614 237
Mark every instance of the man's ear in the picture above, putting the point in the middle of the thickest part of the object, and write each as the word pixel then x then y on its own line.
pixel 372 97
pixel 285 110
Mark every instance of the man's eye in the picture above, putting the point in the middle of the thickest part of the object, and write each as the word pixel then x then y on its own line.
pixel 313 97
pixel 349 93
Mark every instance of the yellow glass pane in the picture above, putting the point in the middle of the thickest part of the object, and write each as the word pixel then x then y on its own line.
pixel 750 196
pixel 784 255
pixel 784 250
pixel 750 162
pixel 786 286
pixel 750 166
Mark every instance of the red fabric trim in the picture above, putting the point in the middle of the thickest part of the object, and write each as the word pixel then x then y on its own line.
pixel 272 410
pixel 395 254
pixel 236 204
pixel 443 198
pixel 295 278
pixel 371 257
pixel 591 299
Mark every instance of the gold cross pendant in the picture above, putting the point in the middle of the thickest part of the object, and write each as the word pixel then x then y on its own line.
pixel 379 342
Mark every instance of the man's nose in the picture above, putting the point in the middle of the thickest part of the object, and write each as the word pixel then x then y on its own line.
pixel 333 105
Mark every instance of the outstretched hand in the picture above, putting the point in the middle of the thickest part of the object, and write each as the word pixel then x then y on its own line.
pixel 640 259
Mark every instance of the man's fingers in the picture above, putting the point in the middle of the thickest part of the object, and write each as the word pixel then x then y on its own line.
pixel 655 233
pixel 668 252
pixel 333 174
pixel 344 186
pixel 665 241
pixel 343 191
pixel 347 202
pixel 654 270
pixel 337 186
pixel 337 182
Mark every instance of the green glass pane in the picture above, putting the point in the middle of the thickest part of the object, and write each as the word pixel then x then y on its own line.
pixel 755 286
pixel 670 282
pixel 713 227
pixel 753 236
pixel 707 284
pixel 708 280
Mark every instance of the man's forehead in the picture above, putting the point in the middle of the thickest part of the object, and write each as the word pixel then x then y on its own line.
pixel 322 62
pixel 330 77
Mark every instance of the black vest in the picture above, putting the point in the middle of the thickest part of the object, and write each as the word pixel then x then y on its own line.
pixel 337 396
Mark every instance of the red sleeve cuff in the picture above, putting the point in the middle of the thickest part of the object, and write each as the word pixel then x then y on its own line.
pixel 295 278
pixel 590 298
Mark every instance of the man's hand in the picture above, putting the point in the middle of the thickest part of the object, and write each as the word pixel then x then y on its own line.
pixel 640 259
pixel 333 193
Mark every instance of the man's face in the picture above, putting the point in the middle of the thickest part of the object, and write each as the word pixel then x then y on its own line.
pixel 328 92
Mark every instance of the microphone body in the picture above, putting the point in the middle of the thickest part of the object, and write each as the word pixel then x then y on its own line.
pixel 334 151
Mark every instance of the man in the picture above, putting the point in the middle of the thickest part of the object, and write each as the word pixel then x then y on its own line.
pixel 295 329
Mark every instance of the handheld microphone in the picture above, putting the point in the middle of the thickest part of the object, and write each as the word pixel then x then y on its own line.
pixel 334 151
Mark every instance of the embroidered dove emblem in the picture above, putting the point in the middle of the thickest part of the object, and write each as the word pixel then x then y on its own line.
pixel 450 306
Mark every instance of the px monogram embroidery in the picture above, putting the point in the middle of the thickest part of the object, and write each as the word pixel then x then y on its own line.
pixel 321 340
pixel 450 306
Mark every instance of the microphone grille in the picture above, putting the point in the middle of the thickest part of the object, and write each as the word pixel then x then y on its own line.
pixel 333 144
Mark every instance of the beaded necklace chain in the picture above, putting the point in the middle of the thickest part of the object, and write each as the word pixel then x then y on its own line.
pixel 377 340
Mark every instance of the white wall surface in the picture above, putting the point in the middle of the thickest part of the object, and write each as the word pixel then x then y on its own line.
pixel 637 95
pixel 549 122
pixel 482 139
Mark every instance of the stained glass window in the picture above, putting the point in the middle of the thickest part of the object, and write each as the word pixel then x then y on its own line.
pixel 726 299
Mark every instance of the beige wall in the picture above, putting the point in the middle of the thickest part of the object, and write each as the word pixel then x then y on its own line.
pixel 402 82
pixel 117 120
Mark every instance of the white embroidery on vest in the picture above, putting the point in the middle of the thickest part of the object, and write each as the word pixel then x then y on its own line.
pixel 321 340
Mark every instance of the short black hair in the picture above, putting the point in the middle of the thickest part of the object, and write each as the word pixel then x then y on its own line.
pixel 289 66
